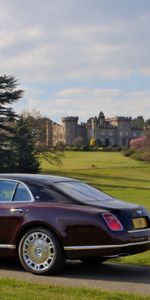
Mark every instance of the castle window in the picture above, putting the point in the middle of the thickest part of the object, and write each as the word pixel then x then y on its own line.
pixel 110 133
pixel 102 132
pixel 134 134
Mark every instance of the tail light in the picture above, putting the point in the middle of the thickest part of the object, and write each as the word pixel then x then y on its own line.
pixel 112 222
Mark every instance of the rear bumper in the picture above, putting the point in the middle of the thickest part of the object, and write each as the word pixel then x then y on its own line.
pixel 107 250
pixel 71 248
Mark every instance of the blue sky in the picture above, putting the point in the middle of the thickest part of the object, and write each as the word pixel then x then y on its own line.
pixel 78 57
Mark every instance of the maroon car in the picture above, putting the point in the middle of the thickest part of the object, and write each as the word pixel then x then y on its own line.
pixel 47 219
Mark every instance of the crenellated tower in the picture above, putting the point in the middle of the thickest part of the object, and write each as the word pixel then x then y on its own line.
pixel 69 127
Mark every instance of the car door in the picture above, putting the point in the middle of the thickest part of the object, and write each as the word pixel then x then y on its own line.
pixel 15 199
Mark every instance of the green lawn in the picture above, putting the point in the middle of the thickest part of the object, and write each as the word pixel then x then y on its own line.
pixel 13 289
pixel 113 173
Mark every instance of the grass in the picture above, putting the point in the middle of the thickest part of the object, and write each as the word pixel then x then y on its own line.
pixel 113 173
pixel 14 289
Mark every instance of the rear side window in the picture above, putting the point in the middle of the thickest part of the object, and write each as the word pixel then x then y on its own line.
pixel 7 189
pixel 45 193
pixel 82 192
pixel 22 194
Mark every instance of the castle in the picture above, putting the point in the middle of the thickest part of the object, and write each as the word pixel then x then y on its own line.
pixel 116 131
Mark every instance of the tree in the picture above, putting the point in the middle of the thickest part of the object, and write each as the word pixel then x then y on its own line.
pixel 38 125
pixel 147 123
pixel 8 95
pixel 137 144
pixel 26 158
pixel 138 122
pixel 141 147
pixel 78 141
pixel 146 147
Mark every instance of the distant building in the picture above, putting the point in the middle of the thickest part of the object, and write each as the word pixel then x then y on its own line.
pixel 116 131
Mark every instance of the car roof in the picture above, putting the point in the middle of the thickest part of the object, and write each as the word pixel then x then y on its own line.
pixel 35 177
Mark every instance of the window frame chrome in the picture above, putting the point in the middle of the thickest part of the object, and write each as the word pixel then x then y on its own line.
pixel 14 190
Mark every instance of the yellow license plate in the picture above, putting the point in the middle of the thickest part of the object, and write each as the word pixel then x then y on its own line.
pixel 139 223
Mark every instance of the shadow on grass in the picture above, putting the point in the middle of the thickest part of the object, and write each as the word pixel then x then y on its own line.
pixel 89 178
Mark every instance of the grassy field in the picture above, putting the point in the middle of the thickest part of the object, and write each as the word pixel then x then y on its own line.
pixel 13 289
pixel 113 173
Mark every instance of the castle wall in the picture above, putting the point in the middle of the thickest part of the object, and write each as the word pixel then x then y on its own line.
pixel 57 134
pixel 82 132
pixel 106 135
pixel 121 122
pixel 111 131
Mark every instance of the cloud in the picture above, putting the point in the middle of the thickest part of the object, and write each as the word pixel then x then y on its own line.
pixel 58 50
pixel 84 92
pixel 71 55
pixel 85 103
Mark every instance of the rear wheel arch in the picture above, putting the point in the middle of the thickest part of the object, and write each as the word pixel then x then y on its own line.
pixel 37 225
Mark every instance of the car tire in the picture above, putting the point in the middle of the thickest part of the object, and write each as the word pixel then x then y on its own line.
pixel 93 260
pixel 40 252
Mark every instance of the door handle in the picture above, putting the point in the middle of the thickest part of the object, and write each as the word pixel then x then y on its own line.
pixel 17 210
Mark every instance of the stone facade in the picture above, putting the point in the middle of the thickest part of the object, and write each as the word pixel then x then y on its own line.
pixel 116 131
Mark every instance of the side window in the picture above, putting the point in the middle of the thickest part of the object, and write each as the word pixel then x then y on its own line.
pixel 7 189
pixel 22 194
pixel 43 193
pixel 49 194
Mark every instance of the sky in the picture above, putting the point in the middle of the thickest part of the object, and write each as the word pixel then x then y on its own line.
pixel 78 57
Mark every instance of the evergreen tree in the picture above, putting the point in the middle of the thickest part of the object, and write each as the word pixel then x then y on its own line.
pixel 8 95
pixel 24 148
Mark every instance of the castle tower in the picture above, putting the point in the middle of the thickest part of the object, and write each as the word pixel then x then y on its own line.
pixel 101 118
pixel 69 126
pixel 123 129
pixel 94 126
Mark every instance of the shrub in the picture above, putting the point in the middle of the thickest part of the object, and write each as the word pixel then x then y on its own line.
pixel 137 144
pixel 127 152
pixel 93 142
pixel 75 148
pixel 78 141
pixel 84 148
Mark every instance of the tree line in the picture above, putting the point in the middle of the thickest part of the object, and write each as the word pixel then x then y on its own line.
pixel 139 122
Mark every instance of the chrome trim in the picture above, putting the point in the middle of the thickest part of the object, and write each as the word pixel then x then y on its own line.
pixel 32 198
pixel 4 246
pixel 70 248
pixel 17 210
pixel 139 230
